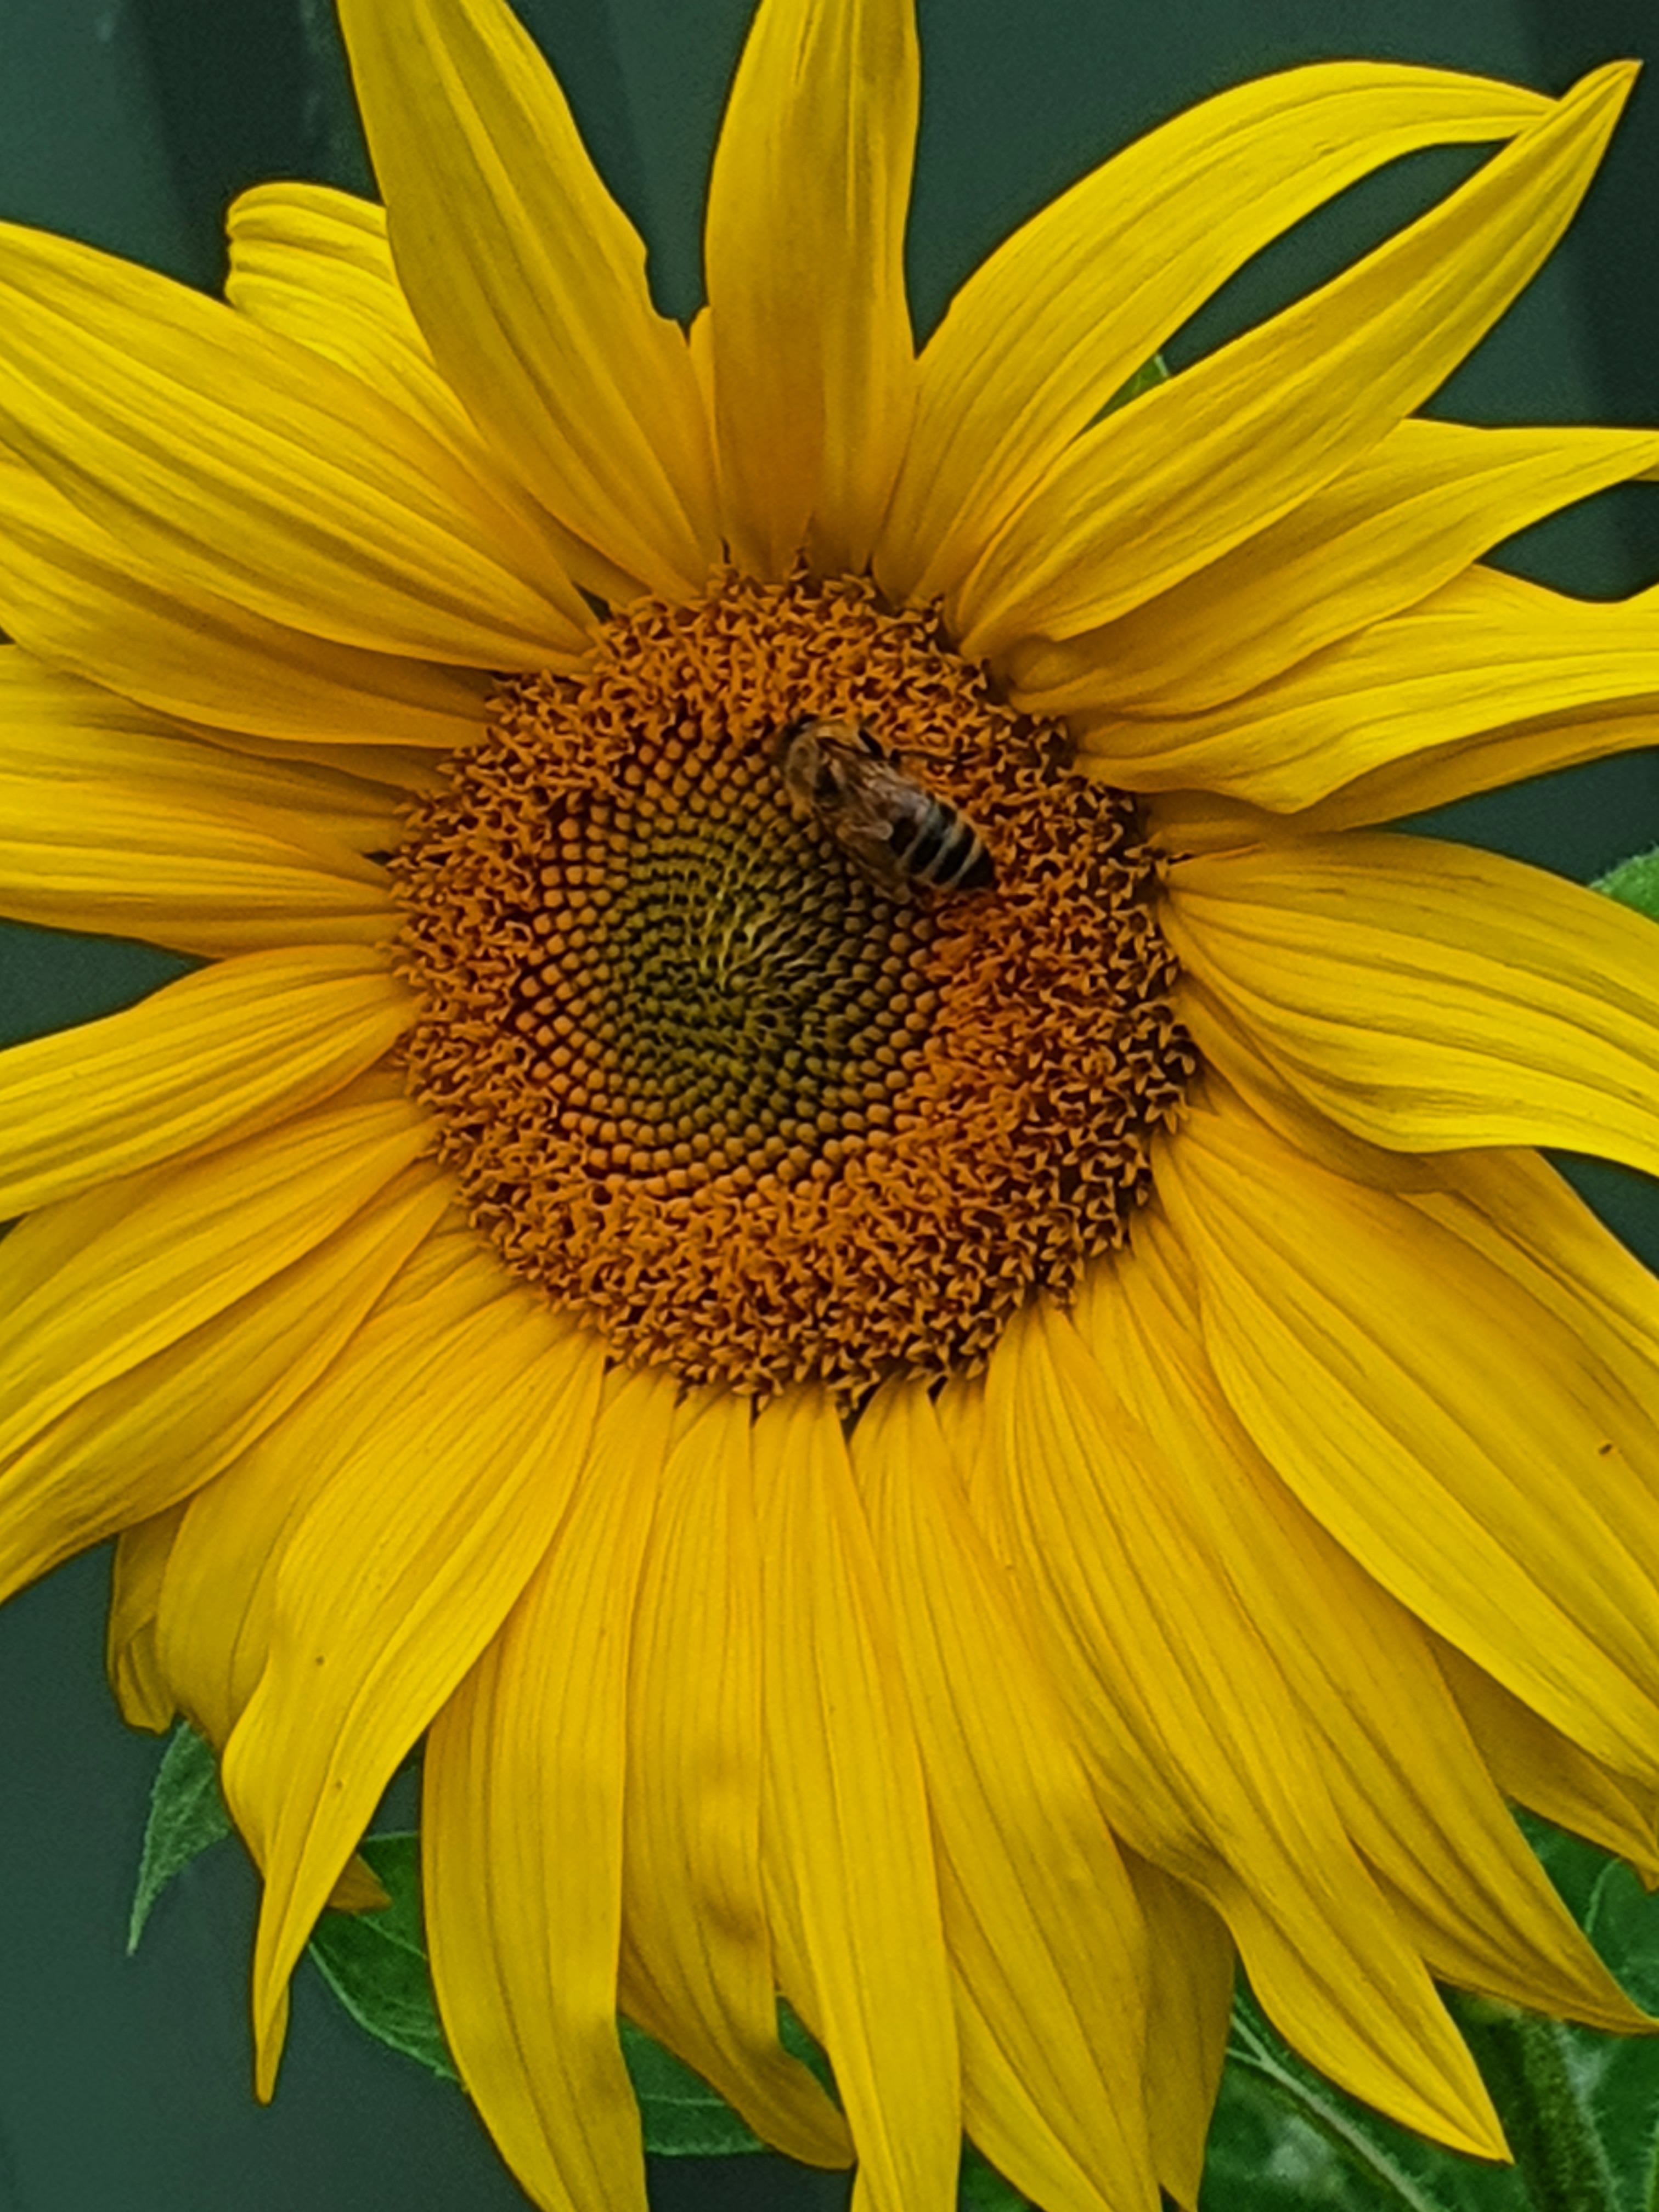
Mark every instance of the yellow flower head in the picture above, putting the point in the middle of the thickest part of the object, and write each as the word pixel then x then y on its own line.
pixel 826 1201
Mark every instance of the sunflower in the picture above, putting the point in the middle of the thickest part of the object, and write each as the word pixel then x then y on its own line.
pixel 967 1457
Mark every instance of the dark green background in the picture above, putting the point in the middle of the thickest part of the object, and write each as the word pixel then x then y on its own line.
pixel 124 2086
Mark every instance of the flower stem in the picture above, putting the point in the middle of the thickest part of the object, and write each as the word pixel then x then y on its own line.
pixel 1527 2064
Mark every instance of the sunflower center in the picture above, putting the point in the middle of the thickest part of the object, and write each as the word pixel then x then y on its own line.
pixel 721 1058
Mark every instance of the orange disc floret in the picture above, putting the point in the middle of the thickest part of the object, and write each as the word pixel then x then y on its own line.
pixel 754 1114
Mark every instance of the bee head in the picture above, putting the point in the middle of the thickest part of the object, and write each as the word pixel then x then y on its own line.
pixel 783 741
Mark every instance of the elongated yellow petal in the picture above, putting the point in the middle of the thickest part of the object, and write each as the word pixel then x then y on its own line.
pixel 697 1969
pixel 161 1426
pixel 128 862
pixel 1439 778
pixel 1046 1948
pixel 451 1499
pixel 1484 651
pixel 131 1657
pixel 1404 520
pixel 1192 1961
pixel 1405 1776
pixel 522 1836
pixel 528 283
pixel 1540 1767
pixel 1429 997
pixel 809 329
pixel 83 599
pixel 93 1286
pixel 244 465
pixel 1199 1756
pixel 212 1058
pixel 1199 821
pixel 1428 1411
pixel 1060 316
pixel 845 1829
pixel 1218 452
pixel 63 730
pixel 213 1629
pixel 1521 1212
pixel 314 263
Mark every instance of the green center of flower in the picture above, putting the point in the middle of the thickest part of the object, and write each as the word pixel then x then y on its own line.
pixel 718 1058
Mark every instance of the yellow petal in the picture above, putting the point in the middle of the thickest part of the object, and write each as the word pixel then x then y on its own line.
pixel 1048 1951
pixel 1439 778
pixel 521 1830
pixel 1192 1961
pixel 1404 1776
pixel 528 283
pixel 451 1500
pixel 1540 1767
pixel 845 1828
pixel 1060 316
pixel 1403 520
pixel 130 1657
pixel 94 1285
pixel 118 859
pixel 1206 460
pixel 63 729
pixel 162 1425
pixel 83 599
pixel 1428 1413
pixel 809 328
pixel 1238 1060
pixel 208 1060
pixel 1199 1756
pixel 314 263
pixel 1484 651
pixel 213 1628
pixel 1429 997
pixel 696 1968
pixel 1521 1212
pixel 245 464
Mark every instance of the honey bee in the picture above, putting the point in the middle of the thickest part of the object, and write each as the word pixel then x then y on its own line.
pixel 835 772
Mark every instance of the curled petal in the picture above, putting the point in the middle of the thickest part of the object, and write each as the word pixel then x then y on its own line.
pixel 1060 316
pixel 1398 716
pixel 1220 452
pixel 1404 520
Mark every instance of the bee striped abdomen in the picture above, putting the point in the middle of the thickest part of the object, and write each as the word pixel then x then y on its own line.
pixel 939 847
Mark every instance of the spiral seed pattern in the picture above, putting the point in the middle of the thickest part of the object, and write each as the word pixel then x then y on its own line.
pixel 754 1115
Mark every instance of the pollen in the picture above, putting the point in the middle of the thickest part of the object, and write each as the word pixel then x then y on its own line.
pixel 755 1115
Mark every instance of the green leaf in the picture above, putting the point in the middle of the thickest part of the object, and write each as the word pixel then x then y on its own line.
pixel 683 2117
pixel 1286 2140
pixel 186 1814
pixel 1634 883
pixel 375 1962
pixel 981 2188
